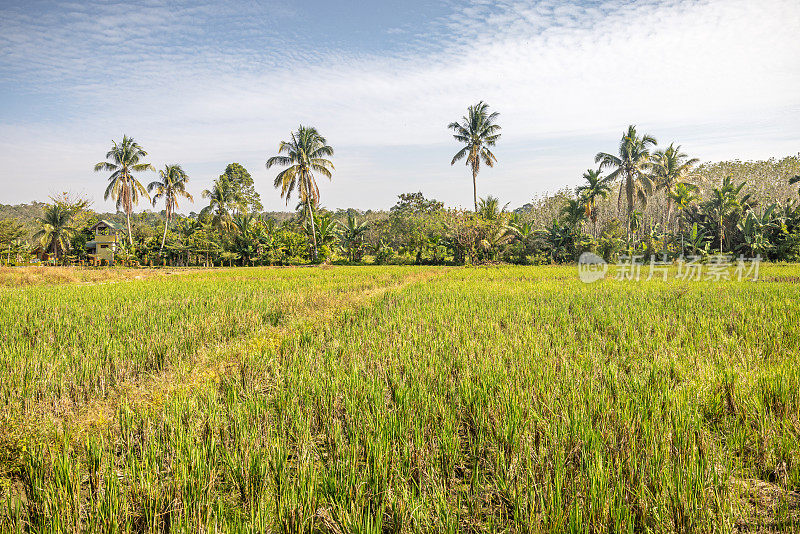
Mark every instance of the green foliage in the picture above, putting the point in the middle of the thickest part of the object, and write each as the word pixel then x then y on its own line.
pixel 489 208
pixel 415 203
pixel 384 254
pixel 10 230
pixel 224 201
pixel 293 247
pixel 352 237
pixel 246 198
pixel 12 234
pixel 751 211
pixel 558 241
pixel 574 213
pixel 725 207
pixel 57 225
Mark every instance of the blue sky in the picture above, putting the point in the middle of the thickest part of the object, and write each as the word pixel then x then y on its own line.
pixel 205 84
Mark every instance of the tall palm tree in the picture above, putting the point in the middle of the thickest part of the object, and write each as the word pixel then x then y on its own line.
pixel 596 187
pixel 56 229
pixel 172 184
pixel 670 167
pixel 632 164
pixel 304 155
pixel 682 195
pixel 222 201
pixel 477 131
pixel 125 159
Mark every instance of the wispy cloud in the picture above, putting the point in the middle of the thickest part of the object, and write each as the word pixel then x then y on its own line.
pixel 175 76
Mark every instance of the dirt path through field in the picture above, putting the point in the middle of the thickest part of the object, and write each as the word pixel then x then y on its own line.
pixel 211 364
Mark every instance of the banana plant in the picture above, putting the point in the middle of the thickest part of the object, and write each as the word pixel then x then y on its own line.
pixel 558 240
pixel 697 241
pixel 756 231
pixel 352 237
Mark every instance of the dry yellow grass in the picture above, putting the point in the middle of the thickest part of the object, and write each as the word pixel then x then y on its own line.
pixel 35 276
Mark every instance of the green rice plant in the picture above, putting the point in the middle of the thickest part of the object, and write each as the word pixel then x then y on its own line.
pixel 513 399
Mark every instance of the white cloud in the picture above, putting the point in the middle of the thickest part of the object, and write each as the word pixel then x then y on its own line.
pixel 568 73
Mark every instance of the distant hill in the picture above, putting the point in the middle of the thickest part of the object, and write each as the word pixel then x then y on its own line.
pixel 24 213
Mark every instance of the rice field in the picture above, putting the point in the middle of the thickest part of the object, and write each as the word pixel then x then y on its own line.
pixel 401 399
pixel 51 275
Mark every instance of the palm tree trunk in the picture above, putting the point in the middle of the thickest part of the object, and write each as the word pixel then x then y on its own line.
pixel 313 231
pixel 619 203
pixel 629 198
pixel 669 212
pixel 475 187
pixel 164 238
pixel 130 234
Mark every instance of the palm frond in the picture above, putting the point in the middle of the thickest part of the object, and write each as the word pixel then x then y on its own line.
pixel 278 160
pixel 460 155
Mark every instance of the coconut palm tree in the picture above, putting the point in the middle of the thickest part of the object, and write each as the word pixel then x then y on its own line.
pixel 724 205
pixel 682 195
pixel 477 131
pixel 632 164
pixel 172 184
pixel 596 187
pixel 56 229
pixel 670 167
pixel 305 154
pixel 125 159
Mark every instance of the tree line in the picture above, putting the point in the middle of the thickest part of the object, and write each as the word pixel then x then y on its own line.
pixel 638 200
